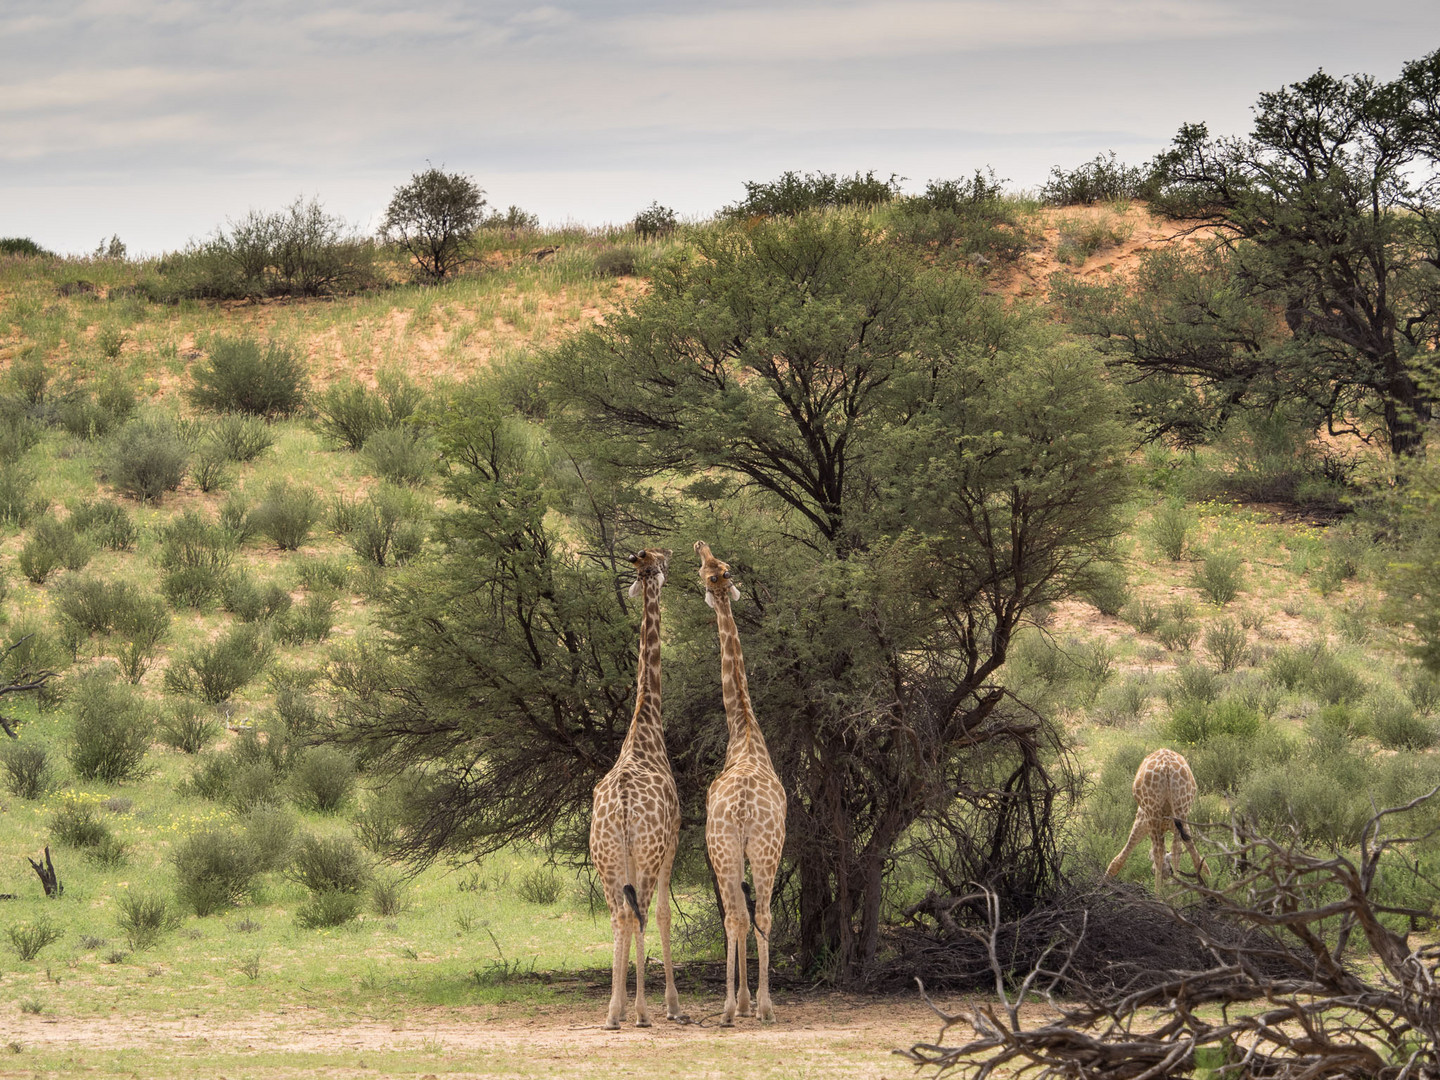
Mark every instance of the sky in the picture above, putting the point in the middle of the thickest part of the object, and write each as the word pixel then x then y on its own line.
pixel 161 120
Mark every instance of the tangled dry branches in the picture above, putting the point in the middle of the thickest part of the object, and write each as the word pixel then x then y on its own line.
pixel 1290 1003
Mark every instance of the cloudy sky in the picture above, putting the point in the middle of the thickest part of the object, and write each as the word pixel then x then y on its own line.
pixel 159 119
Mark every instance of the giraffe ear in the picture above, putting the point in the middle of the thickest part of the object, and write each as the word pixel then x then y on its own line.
pixel 635 587
pixel 709 599
pixel 734 593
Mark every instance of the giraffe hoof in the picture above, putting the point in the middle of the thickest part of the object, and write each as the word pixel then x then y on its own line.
pixel 727 1021
pixel 642 1021
pixel 612 1025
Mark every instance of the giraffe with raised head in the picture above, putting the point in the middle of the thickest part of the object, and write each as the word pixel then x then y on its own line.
pixel 744 809
pixel 1164 796
pixel 635 823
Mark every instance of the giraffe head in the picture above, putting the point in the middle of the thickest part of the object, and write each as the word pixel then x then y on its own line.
pixel 648 563
pixel 714 575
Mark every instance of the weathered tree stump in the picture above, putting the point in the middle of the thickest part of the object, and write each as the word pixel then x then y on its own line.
pixel 48 878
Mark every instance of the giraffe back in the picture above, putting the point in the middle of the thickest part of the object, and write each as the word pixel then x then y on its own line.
pixel 1164 786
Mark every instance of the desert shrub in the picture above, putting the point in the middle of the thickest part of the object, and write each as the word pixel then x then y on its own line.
pixel 271 741
pixel 540 885
pixel 112 728
pixel 329 864
pixel 236 519
pixel 1143 615
pixel 110 853
pixel 615 262
pixel 390 529
pixel 296 705
pixel 1226 642
pixel 323 779
pixel 1107 588
pixel 512 219
pixel 1223 762
pixel 254 784
pixel 1354 624
pixel 139 630
pixel 195 558
pixel 1331 680
pixel 1177 632
pixel 1105 179
pixel 1338 721
pixel 51 545
pixel 144 918
pixel 400 455
pixel 1422 687
pixel 388 897
pixel 28 771
pixel 145 459
pixel 253 602
pixel 321 573
pixel 240 376
pixel 239 437
pixel 214 868
pixel 1125 701
pixel 1192 682
pixel 433 218
pixel 270 830
pixel 1170 528
pixel 286 514
pixel 97 606
pixel 967 216
pixel 105 522
pixel 332 907
pixel 214 671
pixel 793 193
pixel 1081 237
pixel 24 247
pixel 1397 726
pixel 1194 722
pixel 211 777
pixel 348 413
pixel 1218 576
pixel 93 413
pixel 29 938
pixel 18 501
pixel 29 377
pixel 210 469
pixel 311 620
pixel 188 726
pixel 78 825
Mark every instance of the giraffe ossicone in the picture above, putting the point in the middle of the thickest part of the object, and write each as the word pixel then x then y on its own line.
pixel 635 819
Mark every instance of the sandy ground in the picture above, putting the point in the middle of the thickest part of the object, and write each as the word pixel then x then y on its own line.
pixel 820 1036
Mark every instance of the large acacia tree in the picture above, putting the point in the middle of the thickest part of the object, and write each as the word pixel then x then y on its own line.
pixel 1325 287
pixel 899 470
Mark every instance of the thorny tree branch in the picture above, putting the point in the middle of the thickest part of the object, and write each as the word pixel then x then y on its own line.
pixel 1316 1015
pixel 24 680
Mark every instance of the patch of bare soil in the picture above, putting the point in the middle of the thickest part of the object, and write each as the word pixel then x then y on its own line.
pixel 817 1036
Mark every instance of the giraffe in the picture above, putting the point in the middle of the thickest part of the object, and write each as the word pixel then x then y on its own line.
pixel 635 826
pixel 1164 793
pixel 744 809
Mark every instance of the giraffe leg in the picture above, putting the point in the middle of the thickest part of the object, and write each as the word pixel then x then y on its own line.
pixel 1157 856
pixel 764 882
pixel 662 919
pixel 620 926
pixel 1137 833
pixel 737 925
pixel 642 1010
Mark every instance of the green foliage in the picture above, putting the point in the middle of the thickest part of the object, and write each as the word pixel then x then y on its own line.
pixel 30 938
pixel 323 779
pixel 97 606
pixel 348 412
pixel 146 459
pixel 615 262
pixel 112 728
pixel 1194 722
pixel 252 602
pixel 512 220
pixel 1192 683
pixel 105 522
pixel 432 218
pixel 655 220
pixel 329 864
pixel 333 907
pixel 215 671
pixel 1227 643
pixel 1178 629
pixel 400 455
pixel 1105 179
pixel 214 868
pixel 92 412
pixel 239 376
pixel 188 726
pixel 1143 615
pixel 794 193
pixel 238 437
pixel 965 217
pixel 28 771
pixel 52 544
pixel 18 501
pixel 1218 576
pixel 311 620
pixel 286 514
pixel 78 825
pixel 1170 528
pixel 1107 587
pixel 1080 237
pixel 539 885
pixel 144 918
pixel 270 829
pixel 389 526
pixel 23 247
pixel 1396 726
pixel 195 559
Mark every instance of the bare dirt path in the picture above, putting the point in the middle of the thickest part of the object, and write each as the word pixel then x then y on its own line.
pixel 821 1036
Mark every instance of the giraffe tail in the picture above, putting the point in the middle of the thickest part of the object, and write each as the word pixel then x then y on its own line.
pixel 750 906
pixel 634 902
pixel 1180 828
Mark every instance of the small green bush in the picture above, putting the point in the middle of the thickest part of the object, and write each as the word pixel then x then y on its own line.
pixel 254 784
pixel 211 778
pixel 323 779
pixel 1143 615
pixel 88 413
pixel 615 262
pixel 321 573
pixel 29 773
pixel 1218 577
pixel 23 246
pixel 323 910
pixel 1107 588
pixel 251 602
pixel 241 438
pixel 214 868
pixel 112 728
pixel 93 604
pixel 1196 722
pixel 144 918
pixel 28 939
pixel 78 825
pixel 1125 701
pixel 240 376
pixel 105 522
pixel 1170 528
pixel 286 514
pixel 391 526
pixel 110 853
pixel 1227 644
pixel 540 885
pixel 347 413
pixel 794 193
pixel 311 620
pixel 388 897
pixel 140 629
pixel 18 502
pixel 146 459
pixel 214 671
pixel 1396 726
pixel 655 220
pixel 1177 633
pixel 188 726
pixel 52 544
pixel 195 558
pixel 211 469
pixel 400 455
pixel 329 864
pixel 1105 179
pixel 270 829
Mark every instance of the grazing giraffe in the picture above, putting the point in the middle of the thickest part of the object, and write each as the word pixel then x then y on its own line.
pixel 635 826
pixel 1164 793
pixel 744 810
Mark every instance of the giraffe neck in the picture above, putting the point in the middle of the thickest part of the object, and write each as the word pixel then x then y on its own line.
pixel 745 736
pixel 646 737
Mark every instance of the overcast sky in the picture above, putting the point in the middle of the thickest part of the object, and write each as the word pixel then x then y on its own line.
pixel 159 119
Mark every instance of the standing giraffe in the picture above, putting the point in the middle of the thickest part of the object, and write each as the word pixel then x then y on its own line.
pixel 635 826
pixel 1164 793
pixel 744 810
